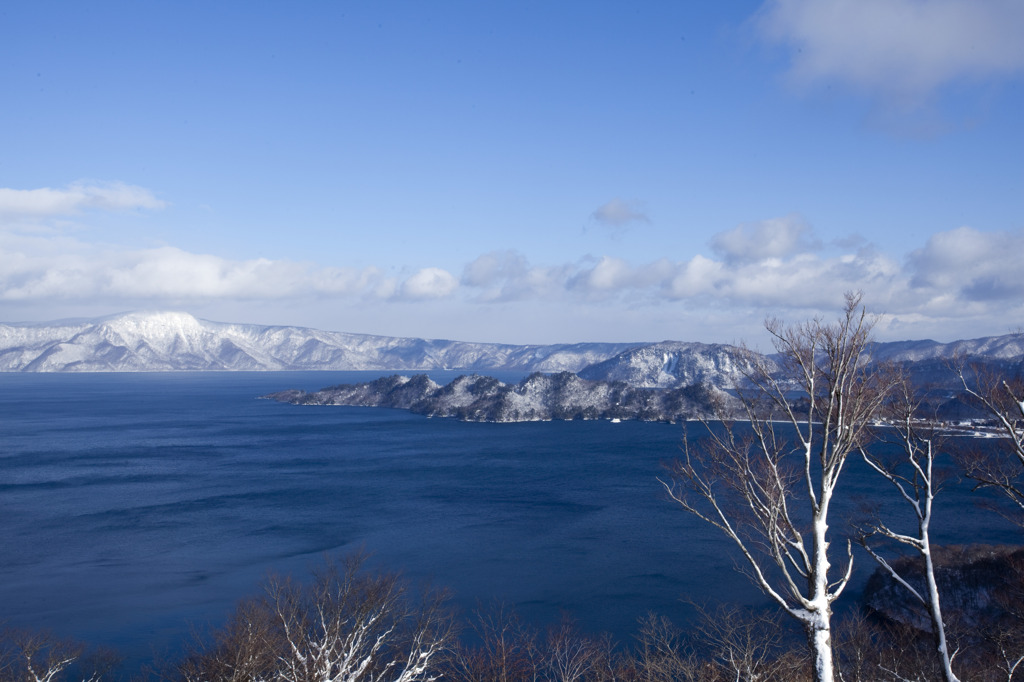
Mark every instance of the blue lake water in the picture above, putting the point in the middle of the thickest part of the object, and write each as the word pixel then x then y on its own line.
pixel 132 505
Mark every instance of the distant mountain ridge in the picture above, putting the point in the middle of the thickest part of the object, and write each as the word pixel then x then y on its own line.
pixel 1005 347
pixel 171 341
pixel 147 342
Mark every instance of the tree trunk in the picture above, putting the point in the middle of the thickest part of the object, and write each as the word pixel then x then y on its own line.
pixel 935 611
pixel 819 639
pixel 818 625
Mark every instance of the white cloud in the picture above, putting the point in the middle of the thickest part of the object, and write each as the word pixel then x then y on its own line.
pixel 40 269
pixel 959 274
pixel 610 274
pixel 900 48
pixel 501 276
pixel 774 238
pixel 493 268
pixel 963 278
pixel 972 265
pixel 698 277
pixel 618 213
pixel 428 283
pixel 79 196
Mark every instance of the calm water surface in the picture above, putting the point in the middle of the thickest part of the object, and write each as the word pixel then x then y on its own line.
pixel 132 505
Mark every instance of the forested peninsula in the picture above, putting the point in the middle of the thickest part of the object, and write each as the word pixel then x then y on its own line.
pixel 538 397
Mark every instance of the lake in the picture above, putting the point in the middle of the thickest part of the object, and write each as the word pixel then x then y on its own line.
pixel 134 505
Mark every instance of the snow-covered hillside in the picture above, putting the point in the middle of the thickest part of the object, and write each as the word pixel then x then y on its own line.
pixel 1004 347
pixel 539 397
pixel 137 342
pixel 672 363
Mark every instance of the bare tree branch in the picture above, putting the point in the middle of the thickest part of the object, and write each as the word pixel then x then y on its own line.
pixel 1001 466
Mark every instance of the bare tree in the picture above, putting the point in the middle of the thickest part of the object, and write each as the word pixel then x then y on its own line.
pixel 1003 631
pixel 1000 466
pixel 572 656
pixel 352 627
pixel 1008 652
pixel 746 645
pixel 246 649
pixel 507 649
pixel 876 649
pixel 856 646
pixel 661 654
pixel 769 487
pixel 343 626
pixel 40 656
pixel 915 479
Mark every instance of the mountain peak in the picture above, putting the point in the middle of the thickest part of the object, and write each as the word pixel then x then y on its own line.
pixel 160 323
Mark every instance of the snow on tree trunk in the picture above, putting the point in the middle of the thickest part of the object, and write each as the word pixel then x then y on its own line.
pixel 819 638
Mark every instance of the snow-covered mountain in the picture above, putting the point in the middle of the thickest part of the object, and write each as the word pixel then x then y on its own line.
pixel 178 341
pixel 1006 347
pixel 673 363
pixel 138 342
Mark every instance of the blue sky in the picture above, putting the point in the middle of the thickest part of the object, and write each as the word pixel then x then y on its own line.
pixel 527 172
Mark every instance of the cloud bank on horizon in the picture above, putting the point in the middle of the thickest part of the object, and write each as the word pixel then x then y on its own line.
pixel 774 206
pixel 777 264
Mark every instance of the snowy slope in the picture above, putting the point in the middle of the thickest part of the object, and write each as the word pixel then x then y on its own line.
pixel 167 341
pixel 673 363
pixel 1004 347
